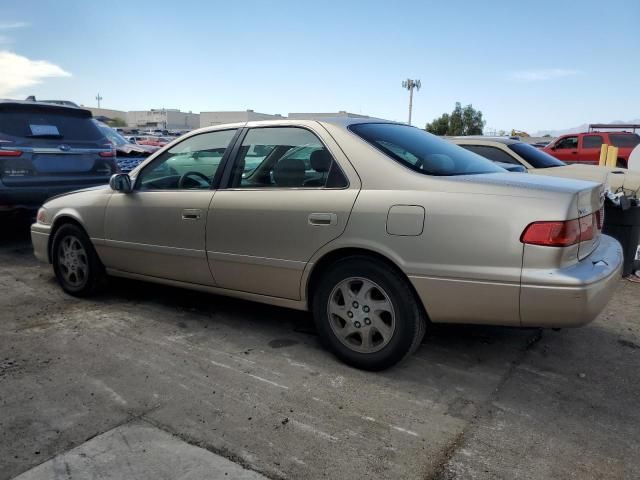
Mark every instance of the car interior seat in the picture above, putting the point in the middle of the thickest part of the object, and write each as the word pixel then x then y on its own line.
pixel 321 162
pixel 289 172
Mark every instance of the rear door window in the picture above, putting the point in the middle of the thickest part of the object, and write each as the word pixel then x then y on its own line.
pixel 592 141
pixel 285 157
pixel 624 140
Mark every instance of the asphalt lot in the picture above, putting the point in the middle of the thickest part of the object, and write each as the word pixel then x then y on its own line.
pixel 251 383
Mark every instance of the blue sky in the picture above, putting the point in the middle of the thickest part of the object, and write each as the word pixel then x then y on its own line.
pixel 526 65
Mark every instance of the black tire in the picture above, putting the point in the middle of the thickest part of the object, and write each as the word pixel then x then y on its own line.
pixel 87 260
pixel 409 322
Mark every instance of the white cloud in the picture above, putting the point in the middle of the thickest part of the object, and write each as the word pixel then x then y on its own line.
pixel 12 25
pixel 543 74
pixel 19 72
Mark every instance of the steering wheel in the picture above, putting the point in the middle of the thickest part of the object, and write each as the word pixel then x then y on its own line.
pixel 184 176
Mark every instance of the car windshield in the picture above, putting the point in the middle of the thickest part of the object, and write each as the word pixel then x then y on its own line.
pixel 421 151
pixel 535 157
pixel 624 140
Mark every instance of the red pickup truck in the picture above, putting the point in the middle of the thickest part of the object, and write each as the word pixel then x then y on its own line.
pixel 585 147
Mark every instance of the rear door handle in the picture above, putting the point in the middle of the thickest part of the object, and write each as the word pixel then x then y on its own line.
pixel 323 219
pixel 191 214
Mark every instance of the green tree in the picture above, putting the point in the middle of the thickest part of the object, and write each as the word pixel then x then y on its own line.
pixel 461 121
pixel 439 126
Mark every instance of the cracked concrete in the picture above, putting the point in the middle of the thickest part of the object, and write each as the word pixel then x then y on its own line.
pixel 251 383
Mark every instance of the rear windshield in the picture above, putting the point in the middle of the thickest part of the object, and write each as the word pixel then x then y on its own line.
pixel 624 140
pixel 421 151
pixel 33 122
pixel 535 157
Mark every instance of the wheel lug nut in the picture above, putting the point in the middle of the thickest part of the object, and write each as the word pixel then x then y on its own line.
pixel 357 324
pixel 365 309
pixel 355 304
pixel 350 314
pixel 367 321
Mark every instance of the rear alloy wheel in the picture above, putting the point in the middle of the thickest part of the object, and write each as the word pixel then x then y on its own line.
pixel 367 314
pixel 75 263
pixel 361 315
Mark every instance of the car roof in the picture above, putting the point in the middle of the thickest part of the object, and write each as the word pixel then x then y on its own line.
pixel 30 103
pixel 503 140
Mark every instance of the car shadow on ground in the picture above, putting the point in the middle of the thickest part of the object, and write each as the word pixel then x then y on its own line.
pixel 15 240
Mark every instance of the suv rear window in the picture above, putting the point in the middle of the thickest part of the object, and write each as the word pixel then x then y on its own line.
pixel 36 122
pixel 624 140
pixel 421 151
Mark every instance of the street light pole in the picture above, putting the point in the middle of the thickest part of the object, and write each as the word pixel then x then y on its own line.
pixel 410 85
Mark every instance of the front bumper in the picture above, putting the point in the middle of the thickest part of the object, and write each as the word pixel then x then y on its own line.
pixel 571 296
pixel 40 239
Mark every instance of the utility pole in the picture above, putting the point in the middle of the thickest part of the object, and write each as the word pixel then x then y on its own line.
pixel 411 85
pixel 98 98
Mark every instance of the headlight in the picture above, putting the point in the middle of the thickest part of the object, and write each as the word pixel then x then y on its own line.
pixel 42 215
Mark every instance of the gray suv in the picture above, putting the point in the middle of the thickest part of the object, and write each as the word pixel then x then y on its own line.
pixel 48 149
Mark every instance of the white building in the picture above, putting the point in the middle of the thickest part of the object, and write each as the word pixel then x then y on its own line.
pixel 169 118
pixel 208 119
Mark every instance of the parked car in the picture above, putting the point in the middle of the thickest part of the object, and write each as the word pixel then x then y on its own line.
pixel 128 155
pixel 152 141
pixel 48 149
pixel 585 147
pixel 390 230
pixel 507 150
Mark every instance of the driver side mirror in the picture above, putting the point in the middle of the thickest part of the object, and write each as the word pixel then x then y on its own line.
pixel 120 182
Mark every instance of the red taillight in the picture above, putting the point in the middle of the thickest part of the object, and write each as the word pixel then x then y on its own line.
pixel 110 153
pixel 562 234
pixel 10 153
pixel 587 227
pixel 552 234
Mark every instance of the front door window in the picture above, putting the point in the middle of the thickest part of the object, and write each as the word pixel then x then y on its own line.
pixel 189 165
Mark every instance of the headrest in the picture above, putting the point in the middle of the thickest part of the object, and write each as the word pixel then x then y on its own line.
pixel 321 160
pixel 289 172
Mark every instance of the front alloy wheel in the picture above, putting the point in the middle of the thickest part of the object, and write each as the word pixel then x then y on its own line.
pixel 75 262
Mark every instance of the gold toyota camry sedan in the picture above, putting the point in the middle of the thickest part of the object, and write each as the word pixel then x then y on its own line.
pixel 378 228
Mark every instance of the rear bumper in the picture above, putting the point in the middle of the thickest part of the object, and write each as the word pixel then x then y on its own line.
pixel 571 296
pixel 40 240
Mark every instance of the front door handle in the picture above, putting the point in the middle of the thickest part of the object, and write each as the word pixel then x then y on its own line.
pixel 191 214
pixel 323 219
